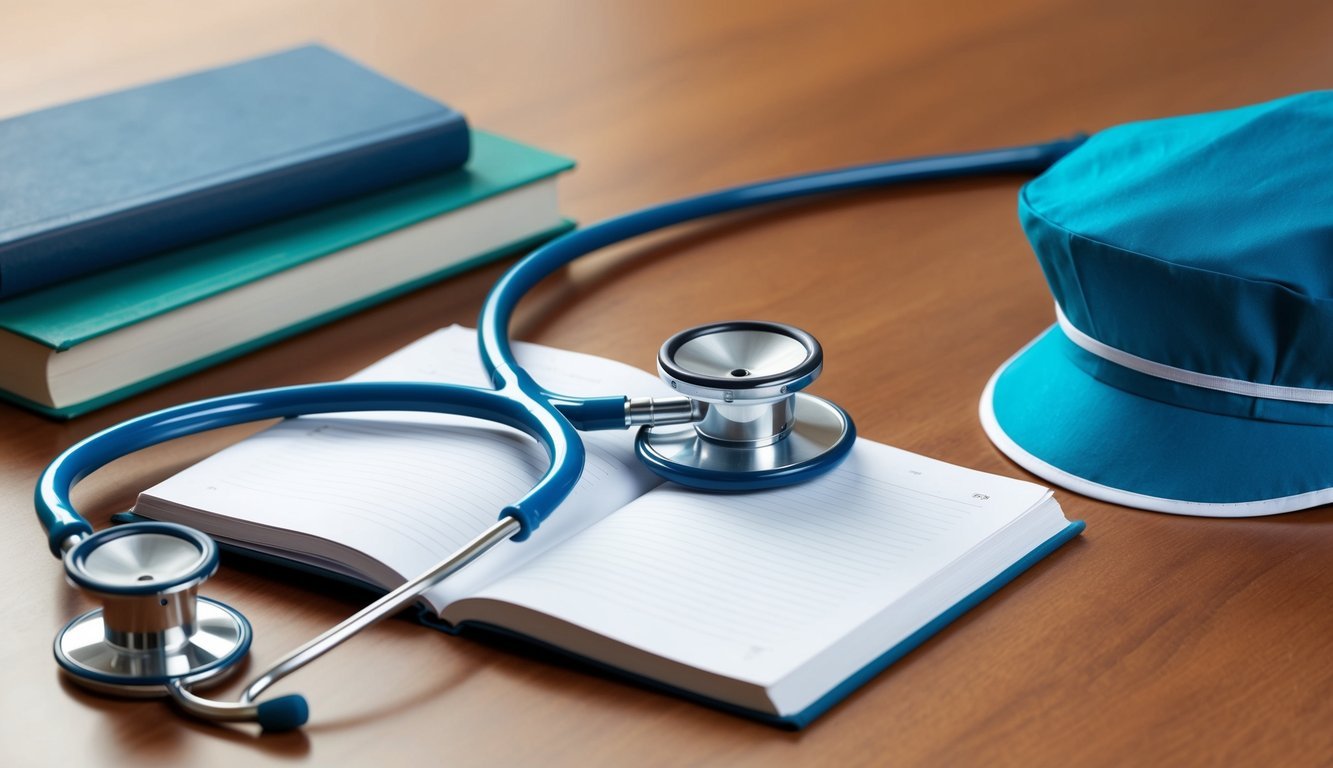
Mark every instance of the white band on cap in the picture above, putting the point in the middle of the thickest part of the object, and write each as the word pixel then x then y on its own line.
pixel 1192 378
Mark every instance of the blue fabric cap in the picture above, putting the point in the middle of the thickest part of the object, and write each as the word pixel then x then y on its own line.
pixel 1191 261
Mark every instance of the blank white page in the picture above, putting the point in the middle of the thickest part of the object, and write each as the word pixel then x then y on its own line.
pixel 751 586
pixel 386 495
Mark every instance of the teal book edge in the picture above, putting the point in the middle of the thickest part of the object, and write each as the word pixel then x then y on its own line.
pixel 793 722
pixel 143 385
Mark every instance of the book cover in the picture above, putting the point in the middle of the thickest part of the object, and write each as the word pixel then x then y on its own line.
pixel 101 181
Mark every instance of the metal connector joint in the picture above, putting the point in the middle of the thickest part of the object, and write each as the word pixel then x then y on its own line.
pixel 657 411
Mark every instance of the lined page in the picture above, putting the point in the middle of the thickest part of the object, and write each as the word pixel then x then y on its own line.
pixel 750 586
pixel 390 494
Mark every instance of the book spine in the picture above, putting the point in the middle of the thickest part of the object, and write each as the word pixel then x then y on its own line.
pixel 81 246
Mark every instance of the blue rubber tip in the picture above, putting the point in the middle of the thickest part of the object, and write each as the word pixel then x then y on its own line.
pixel 283 713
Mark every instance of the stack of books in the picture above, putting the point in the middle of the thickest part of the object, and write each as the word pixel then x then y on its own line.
pixel 152 232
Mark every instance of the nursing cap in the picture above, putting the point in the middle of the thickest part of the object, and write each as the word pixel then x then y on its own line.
pixel 1190 368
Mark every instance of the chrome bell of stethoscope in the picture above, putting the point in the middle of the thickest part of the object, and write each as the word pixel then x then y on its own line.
pixel 753 427
pixel 152 627
pixel 154 635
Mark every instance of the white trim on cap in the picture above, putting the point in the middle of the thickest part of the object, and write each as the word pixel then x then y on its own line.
pixel 1060 477
pixel 1192 378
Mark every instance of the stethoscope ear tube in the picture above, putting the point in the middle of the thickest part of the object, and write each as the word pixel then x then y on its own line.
pixel 282 713
pixel 286 712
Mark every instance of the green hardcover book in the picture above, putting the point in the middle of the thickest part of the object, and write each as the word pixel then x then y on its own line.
pixel 69 349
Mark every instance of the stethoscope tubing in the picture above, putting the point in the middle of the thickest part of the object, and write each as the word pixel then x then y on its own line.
pixel 496 352
pixel 62 522
pixel 517 400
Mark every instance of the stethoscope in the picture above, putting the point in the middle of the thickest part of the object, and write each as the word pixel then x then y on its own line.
pixel 739 422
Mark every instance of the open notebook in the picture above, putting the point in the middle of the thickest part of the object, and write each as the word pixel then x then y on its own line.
pixel 776 603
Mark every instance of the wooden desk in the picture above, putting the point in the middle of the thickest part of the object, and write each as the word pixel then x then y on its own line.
pixel 1154 639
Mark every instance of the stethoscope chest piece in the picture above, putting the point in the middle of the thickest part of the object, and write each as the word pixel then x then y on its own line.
pixel 152 627
pixel 758 429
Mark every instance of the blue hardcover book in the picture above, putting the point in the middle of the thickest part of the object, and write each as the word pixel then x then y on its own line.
pixel 98 182
pixel 774 605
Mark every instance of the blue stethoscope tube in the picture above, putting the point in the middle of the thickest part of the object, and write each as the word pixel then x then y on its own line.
pixel 516 400
pixel 57 515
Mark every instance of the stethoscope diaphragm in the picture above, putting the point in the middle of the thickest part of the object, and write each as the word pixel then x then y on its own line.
pixel 758 429
pixel 152 627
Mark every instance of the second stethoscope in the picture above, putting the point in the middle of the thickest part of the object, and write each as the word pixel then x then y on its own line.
pixel 740 422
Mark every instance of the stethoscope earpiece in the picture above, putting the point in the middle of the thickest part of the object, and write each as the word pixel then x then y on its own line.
pixel 758 429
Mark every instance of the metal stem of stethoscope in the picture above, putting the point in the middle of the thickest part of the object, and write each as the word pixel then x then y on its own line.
pixel 246 710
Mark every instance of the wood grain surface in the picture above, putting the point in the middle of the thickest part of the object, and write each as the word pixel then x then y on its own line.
pixel 1152 640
